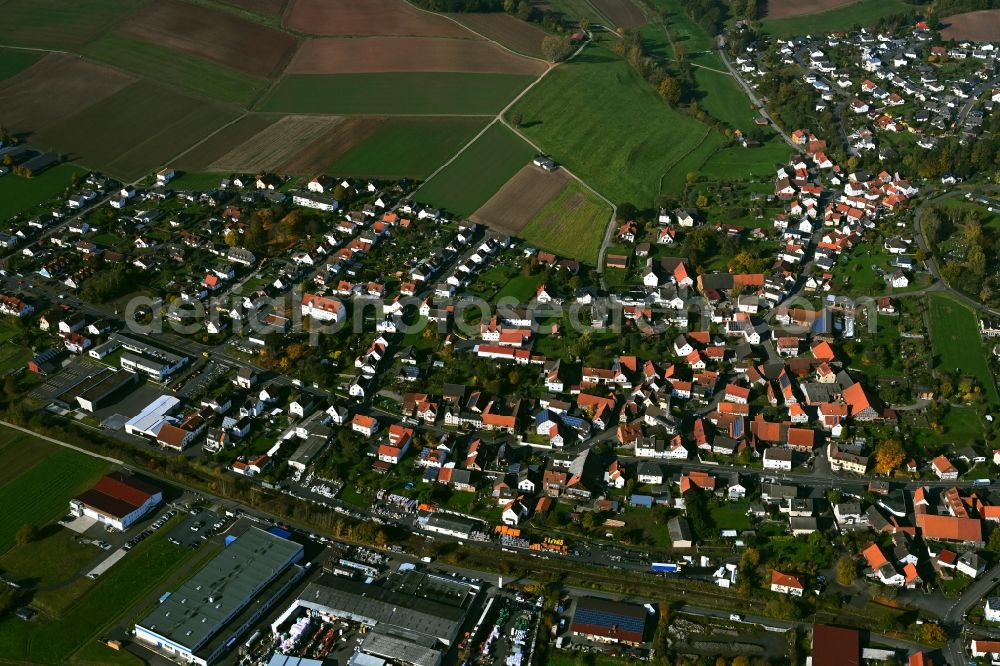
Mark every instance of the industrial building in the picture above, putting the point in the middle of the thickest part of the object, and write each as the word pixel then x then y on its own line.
pixel 835 646
pixel 414 617
pixel 204 617
pixel 141 357
pixel 450 525
pixel 117 500
pixel 609 621
pixel 149 421
pixel 103 389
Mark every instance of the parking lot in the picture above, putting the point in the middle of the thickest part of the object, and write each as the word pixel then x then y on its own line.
pixel 197 527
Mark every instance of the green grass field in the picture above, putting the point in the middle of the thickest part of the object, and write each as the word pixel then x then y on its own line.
pixel 719 93
pixel 522 287
pixel 407 147
pixel 42 493
pixel 13 61
pixel 175 67
pixel 22 195
pixel 571 225
pixel 55 640
pixel 956 342
pixel 60 24
pixel 608 126
pixel 137 129
pixel 737 162
pixel 20 452
pixel 51 560
pixel 465 184
pixel 860 13
pixel 687 31
pixel 395 93
pixel 195 180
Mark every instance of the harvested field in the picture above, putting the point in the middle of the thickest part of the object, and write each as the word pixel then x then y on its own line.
pixel 136 130
pixel 59 24
pixel 520 199
pixel 265 7
pixel 371 17
pixel 367 55
pixel 406 147
pixel 505 29
pixel 775 9
pixel 982 26
pixel 276 145
pixel 623 13
pixel 330 146
pixel 55 88
pixel 215 35
pixel 221 143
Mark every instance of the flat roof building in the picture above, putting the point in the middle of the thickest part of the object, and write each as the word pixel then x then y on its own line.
pixel 153 416
pixel 117 500
pixel 835 646
pixel 202 619
pixel 101 389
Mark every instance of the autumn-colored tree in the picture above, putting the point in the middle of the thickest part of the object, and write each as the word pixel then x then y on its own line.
pixel 933 634
pixel 556 49
pixel 846 571
pixel 889 455
pixel 670 90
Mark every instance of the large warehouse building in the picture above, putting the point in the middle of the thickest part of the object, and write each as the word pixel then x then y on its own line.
pixel 205 616
pixel 117 500
pixel 610 621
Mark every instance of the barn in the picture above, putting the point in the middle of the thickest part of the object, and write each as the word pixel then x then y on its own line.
pixel 117 500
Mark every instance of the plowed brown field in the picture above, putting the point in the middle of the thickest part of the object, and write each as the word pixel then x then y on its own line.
pixel 982 26
pixel 520 199
pixel 623 13
pixel 55 88
pixel 512 32
pixel 328 148
pixel 776 9
pixel 369 17
pixel 276 145
pixel 407 54
pixel 265 7
pixel 215 35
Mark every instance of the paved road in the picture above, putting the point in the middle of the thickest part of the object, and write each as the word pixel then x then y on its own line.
pixel 954 619
pixel 756 100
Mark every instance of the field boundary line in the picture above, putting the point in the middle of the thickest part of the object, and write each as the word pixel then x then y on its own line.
pixel 479 34
pixel 61 443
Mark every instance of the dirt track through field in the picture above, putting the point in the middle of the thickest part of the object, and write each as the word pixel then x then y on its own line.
pixel 520 199
pixel 215 35
pixel 328 148
pixel 366 55
pixel 776 9
pixel 276 145
pixel 55 88
pixel 981 26
pixel 369 17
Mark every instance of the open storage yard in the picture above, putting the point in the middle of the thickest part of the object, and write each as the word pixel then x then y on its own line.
pixel 401 147
pixel 371 17
pixel 467 183
pixel 137 129
pixel 982 26
pixel 505 29
pixel 407 54
pixel 424 93
pixel 216 35
pixel 520 199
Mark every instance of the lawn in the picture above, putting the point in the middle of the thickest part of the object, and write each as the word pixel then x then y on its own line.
pixel 57 640
pixel 719 93
pixel 20 452
pixel 195 180
pixel 20 195
pixel 956 342
pixel 738 163
pixel 394 93
pixel 175 67
pixel 522 287
pixel 466 184
pixel 13 61
pixel 54 558
pixel 730 515
pixel 570 225
pixel 407 147
pixel 60 24
pixel 622 147
pixel 42 493
pixel 861 13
